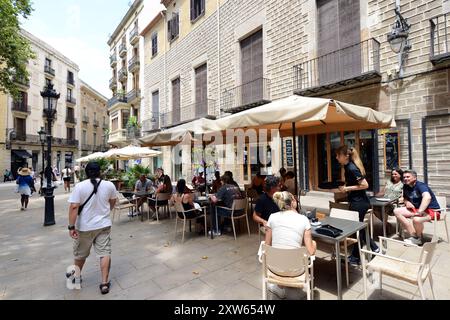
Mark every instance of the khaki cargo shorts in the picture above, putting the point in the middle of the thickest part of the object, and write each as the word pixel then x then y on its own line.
pixel 101 239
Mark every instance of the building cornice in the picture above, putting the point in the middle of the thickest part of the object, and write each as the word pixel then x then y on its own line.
pixel 152 23
pixel 84 85
pixel 124 20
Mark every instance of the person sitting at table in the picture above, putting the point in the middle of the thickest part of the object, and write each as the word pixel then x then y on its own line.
pixel 185 196
pixel 232 182
pixel 226 195
pixel 217 183
pixel 165 187
pixel 288 229
pixel 198 182
pixel 258 183
pixel 265 205
pixel 420 204
pixel 159 176
pixel 143 185
pixel 282 176
pixel 393 191
pixel 289 182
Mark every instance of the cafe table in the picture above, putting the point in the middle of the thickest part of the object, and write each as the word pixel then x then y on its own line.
pixel 348 228
pixel 143 194
pixel 382 203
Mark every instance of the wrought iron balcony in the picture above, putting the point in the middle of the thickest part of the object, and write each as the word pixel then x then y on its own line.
pixel 22 81
pixel 96 123
pixel 70 142
pixel 19 136
pixel 119 98
pixel 85 119
pixel 134 64
pixel 123 74
pixel 113 83
pixel 113 60
pixel 345 67
pixel 71 100
pixel 71 119
pixel 151 124
pixel 134 35
pixel 70 81
pixel 201 109
pixel 122 50
pixel 117 136
pixel 87 147
pixel 133 133
pixel 21 107
pixel 439 38
pixel 133 96
pixel 246 96
pixel 49 70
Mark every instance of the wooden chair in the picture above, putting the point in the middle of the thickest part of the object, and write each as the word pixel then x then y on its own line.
pixel 289 268
pixel 122 203
pixel 413 272
pixel 238 205
pixel 179 210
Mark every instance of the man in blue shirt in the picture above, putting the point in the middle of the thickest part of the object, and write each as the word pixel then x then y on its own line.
pixel 420 205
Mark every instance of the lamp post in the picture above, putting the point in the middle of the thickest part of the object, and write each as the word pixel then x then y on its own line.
pixel 50 97
pixel 398 38
pixel 42 137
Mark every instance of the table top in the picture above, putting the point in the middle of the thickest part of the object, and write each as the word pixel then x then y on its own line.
pixel 348 227
pixel 143 193
pixel 378 203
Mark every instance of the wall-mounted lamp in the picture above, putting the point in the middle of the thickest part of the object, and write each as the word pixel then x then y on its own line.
pixel 398 38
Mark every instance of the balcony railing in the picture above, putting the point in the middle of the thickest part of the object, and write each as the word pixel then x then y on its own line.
pixel 133 133
pixel 113 83
pixel 123 74
pixel 246 96
pixel 34 140
pixel 71 100
pixel 133 95
pixel 118 135
pixel 344 67
pixel 134 64
pixel 113 60
pixel 71 119
pixel 122 50
pixel 87 147
pixel 85 119
pixel 19 136
pixel 21 107
pixel 201 109
pixel 96 123
pixel 49 70
pixel 119 98
pixel 24 82
pixel 151 124
pixel 71 81
pixel 134 35
pixel 439 36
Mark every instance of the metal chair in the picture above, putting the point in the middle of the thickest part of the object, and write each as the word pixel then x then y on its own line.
pixel 122 203
pixel 179 209
pixel 162 201
pixel 238 205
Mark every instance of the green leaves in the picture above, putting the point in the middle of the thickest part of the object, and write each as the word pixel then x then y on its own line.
pixel 15 50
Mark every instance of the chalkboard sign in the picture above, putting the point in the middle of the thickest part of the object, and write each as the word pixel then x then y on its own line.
pixel 289 154
pixel 391 150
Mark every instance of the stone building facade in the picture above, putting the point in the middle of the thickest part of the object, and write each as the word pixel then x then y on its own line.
pixel 321 48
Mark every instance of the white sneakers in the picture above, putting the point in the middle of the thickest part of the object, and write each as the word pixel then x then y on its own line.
pixel 414 241
pixel 277 290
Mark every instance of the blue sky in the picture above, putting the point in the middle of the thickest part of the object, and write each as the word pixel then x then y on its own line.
pixel 80 29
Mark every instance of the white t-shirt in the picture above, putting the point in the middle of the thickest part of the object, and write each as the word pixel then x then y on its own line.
pixel 66 173
pixel 95 214
pixel 288 228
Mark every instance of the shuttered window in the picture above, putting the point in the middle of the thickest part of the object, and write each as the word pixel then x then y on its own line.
pixel 155 109
pixel 338 40
pixel 252 68
pixel 154 44
pixel 201 91
pixel 173 27
pixel 197 9
pixel 20 127
pixel 176 101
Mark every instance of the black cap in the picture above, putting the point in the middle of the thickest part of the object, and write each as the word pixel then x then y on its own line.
pixel 92 169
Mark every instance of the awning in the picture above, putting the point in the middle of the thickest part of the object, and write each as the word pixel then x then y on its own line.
pixel 22 154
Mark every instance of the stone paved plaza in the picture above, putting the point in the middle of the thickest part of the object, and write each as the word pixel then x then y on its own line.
pixel 148 264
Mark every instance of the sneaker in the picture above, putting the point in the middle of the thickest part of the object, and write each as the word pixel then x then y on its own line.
pixel 354 261
pixel 414 241
pixel 276 290
pixel 22 209
pixel 216 234
pixel 377 250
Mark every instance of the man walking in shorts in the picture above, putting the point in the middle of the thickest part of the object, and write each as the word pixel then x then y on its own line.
pixel 89 221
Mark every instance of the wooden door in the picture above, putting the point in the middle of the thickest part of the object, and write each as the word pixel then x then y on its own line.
pixel 201 91
pixel 176 101
pixel 252 69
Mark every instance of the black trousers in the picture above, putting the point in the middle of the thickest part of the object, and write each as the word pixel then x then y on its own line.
pixel 362 207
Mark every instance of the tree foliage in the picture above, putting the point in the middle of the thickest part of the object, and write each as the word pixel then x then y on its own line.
pixel 15 50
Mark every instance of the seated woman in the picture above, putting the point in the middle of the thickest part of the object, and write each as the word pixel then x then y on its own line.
pixel 258 183
pixel 288 229
pixel 185 197
pixel 165 187
pixel 217 184
pixel 289 182
pixel 393 190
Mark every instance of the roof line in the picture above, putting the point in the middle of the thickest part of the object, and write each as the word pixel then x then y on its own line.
pixel 153 22
pixel 127 16
pixel 83 83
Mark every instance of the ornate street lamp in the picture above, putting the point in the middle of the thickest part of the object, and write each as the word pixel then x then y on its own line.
pixel 50 97
pixel 398 38
pixel 42 138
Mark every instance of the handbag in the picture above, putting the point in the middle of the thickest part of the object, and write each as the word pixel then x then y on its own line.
pixel 330 231
pixel 80 208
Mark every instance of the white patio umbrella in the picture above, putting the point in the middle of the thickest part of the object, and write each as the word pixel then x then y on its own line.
pixel 130 153
pixel 91 157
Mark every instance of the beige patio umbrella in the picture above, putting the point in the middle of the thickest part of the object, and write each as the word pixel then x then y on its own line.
pixel 131 152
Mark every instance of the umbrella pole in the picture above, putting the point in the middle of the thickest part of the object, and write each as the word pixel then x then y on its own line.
pixel 204 165
pixel 294 134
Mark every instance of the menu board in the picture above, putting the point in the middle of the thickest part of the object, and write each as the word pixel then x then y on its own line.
pixel 289 154
pixel 391 150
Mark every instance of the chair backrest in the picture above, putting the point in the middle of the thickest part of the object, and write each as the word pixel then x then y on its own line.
pixel 179 206
pixel 163 196
pixel 442 202
pixel 339 205
pixel 340 197
pixel 239 204
pixel 427 252
pixel 252 193
pixel 344 214
pixel 285 262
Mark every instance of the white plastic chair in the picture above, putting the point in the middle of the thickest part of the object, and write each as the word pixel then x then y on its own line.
pixel 238 205
pixel 443 213
pixel 413 272
pixel 287 267
pixel 179 209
